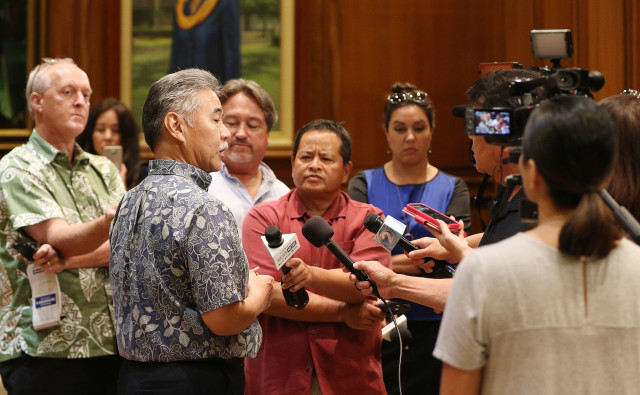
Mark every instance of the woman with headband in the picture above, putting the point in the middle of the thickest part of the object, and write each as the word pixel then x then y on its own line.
pixel 409 177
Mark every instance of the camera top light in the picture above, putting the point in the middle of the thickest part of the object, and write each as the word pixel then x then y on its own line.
pixel 551 44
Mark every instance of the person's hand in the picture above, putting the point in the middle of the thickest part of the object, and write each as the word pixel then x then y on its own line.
pixel 455 244
pixel 298 277
pixel 430 247
pixel 445 246
pixel 427 266
pixel 261 285
pixel 110 213
pixel 123 174
pixel 363 316
pixel 48 259
pixel 382 276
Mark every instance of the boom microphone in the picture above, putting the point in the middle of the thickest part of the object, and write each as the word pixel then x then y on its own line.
pixel 281 249
pixel 319 233
pixel 441 269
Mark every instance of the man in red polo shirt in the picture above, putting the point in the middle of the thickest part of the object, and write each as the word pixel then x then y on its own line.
pixel 332 346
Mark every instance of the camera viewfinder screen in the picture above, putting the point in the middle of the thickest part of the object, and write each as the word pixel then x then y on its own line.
pixel 492 122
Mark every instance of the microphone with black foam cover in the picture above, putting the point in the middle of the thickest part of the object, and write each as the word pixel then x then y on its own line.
pixel 319 233
pixel 441 269
pixel 460 110
pixel 281 248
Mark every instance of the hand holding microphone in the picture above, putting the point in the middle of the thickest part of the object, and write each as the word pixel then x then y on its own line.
pixel 455 246
pixel 281 248
pixel 379 282
pixel 319 233
pixel 388 238
pixel 296 275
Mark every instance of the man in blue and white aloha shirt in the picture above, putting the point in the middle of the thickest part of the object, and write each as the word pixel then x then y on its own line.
pixel 185 300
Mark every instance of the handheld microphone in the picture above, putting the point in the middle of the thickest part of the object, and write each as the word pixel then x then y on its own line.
pixel 441 269
pixel 319 233
pixel 281 248
pixel 402 335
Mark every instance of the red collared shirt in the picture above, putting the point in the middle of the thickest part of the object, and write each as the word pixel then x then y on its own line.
pixel 345 360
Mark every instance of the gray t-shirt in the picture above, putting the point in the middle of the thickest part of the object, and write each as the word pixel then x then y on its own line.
pixel 541 322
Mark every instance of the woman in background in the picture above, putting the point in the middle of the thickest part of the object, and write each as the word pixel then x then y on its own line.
pixel 408 177
pixel 555 309
pixel 112 123
pixel 625 182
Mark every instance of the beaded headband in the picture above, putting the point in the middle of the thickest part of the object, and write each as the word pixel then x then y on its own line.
pixel 632 92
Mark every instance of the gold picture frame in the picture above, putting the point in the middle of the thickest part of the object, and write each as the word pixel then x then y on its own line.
pixel 35 31
pixel 280 141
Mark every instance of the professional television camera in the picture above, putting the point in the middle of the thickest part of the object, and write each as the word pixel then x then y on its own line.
pixel 505 126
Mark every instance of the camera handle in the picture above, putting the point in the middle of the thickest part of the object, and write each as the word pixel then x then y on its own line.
pixel 628 223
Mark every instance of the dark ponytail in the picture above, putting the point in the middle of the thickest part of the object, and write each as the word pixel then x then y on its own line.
pixel 591 230
pixel 573 143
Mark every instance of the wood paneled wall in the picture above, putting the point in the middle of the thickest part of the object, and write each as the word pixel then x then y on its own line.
pixel 348 53
pixel 89 32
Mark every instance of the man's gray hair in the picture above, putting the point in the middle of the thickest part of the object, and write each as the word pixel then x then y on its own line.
pixel 39 79
pixel 176 92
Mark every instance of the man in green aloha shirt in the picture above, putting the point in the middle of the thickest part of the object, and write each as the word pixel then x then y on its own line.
pixel 56 195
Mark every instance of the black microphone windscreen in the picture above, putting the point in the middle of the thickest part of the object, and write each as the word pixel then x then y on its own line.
pixel 373 223
pixel 273 236
pixel 459 110
pixel 317 231
pixel 404 333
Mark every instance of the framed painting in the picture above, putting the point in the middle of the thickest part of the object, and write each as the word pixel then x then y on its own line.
pixel 17 53
pixel 161 36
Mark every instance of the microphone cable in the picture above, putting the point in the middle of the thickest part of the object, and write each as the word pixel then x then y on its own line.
pixel 395 324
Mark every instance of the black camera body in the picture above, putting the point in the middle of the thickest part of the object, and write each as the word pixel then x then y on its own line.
pixel 505 126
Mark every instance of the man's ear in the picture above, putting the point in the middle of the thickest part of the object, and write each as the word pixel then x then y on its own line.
pixel 347 170
pixel 175 126
pixel 36 99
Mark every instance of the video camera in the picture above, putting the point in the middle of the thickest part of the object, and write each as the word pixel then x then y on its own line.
pixel 504 126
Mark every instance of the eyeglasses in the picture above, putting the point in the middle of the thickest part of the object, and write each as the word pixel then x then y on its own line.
pixel 632 92
pixel 416 97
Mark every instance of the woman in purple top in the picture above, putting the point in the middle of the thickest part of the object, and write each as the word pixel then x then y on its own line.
pixel 408 177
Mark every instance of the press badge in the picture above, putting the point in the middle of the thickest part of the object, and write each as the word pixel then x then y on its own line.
pixel 45 297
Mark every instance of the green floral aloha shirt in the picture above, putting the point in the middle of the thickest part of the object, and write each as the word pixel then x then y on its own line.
pixel 39 183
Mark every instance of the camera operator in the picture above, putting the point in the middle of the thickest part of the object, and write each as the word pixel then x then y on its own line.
pixel 487 92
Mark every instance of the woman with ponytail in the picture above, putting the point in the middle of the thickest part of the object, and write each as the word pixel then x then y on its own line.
pixel 555 309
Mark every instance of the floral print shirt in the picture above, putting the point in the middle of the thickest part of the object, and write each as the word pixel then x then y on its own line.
pixel 38 183
pixel 176 254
